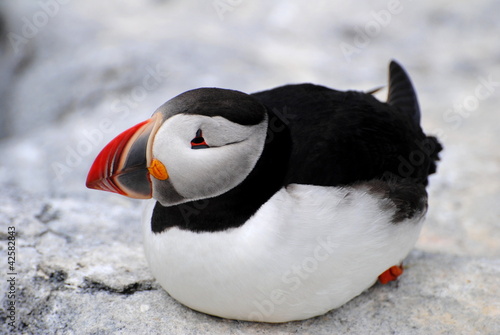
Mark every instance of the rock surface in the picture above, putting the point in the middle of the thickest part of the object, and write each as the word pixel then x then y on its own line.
pixel 74 74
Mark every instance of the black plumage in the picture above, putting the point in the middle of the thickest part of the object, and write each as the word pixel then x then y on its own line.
pixel 320 136
pixel 343 137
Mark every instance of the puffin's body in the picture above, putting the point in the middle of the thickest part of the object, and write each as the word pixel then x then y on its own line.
pixel 279 205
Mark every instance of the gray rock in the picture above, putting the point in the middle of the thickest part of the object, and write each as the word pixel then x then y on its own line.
pixel 92 69
pixel 81 270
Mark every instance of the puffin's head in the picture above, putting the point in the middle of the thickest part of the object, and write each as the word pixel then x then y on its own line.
pixel 198 145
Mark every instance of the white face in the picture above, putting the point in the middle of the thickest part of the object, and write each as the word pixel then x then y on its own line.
pixel 199 173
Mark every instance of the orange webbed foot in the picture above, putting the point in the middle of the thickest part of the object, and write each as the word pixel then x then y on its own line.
pixel 391 274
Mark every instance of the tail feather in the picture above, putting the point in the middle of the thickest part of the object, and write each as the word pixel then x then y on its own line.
pixel 401 92
pixel 434 155
pixel 402 96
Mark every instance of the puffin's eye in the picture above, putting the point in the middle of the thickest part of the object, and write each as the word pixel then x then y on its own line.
pixel 199 142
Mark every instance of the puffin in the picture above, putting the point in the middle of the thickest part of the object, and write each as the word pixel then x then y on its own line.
pixel 280 205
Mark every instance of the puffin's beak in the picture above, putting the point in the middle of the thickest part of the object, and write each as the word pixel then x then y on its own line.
pixel 124 165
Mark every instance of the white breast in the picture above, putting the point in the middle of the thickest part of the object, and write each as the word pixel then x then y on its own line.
pixel 308 250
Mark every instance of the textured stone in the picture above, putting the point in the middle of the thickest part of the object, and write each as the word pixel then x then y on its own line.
pixel 90 276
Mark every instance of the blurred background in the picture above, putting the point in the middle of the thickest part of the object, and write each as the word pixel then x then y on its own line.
pixel 74 74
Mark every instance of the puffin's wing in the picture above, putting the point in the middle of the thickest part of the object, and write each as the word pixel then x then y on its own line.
pixel 401 92
pixel 342 137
